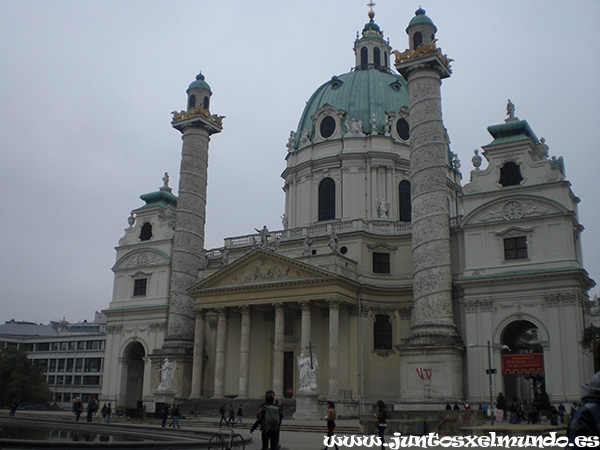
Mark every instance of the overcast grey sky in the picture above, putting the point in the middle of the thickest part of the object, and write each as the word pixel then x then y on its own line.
pixel 87 87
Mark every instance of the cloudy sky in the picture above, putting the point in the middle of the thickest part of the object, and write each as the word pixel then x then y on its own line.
pixel 86 91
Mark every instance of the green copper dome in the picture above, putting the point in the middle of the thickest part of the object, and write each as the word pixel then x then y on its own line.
pixel 199 83
pixel 421 17
pixel 361 94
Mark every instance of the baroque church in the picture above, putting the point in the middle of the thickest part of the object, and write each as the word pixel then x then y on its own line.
pixel 396 280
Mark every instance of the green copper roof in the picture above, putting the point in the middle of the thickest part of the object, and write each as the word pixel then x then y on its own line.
pixel 421 17
pixel 199 83
pixel 163 197
pixel 512 131
pixel 361 94
pixel 372 29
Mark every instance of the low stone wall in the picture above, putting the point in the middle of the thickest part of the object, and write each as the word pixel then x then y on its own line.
pixel 424 422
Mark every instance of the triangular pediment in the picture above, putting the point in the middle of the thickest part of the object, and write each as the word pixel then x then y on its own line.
pixel 259 268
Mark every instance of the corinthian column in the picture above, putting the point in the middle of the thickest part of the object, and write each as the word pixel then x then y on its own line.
pixel 220 353
pixel 334 347
pixel 198 354
pixel 305 332
pixel 278 350
pixel 244 353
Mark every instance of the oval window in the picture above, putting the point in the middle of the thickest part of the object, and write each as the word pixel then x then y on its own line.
pixel 403 129
pixel 327 127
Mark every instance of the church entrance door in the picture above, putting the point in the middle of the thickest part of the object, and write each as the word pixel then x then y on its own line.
pixel 288 374
pixel 523 366
pixel 134 366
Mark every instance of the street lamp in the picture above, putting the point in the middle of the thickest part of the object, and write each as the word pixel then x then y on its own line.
pixel 490 371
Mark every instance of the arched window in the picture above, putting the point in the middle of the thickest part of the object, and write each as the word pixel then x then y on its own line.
pixel 382 332
pixel 510 174
pixel 205 102
pixel 327 199
pixel 364 58
pixel 376 58
pixel 191 102
pixel 385 59
pixel 146 232
pixel 417 39
pixel 405 205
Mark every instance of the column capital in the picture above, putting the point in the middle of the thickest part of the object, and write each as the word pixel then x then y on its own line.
pixel 305 305
pixel 222 312
pixel 199 313
pixel 333 303
pixel 278 306
pixel 245 309
pixel 212 322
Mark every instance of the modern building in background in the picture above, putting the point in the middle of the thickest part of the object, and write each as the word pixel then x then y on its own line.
pixel 385 269
pixel 70 354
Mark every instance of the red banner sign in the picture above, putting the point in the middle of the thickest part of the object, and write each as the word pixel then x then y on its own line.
pixel 523 363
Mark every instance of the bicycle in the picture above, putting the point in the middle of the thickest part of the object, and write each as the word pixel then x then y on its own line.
pixel 219 442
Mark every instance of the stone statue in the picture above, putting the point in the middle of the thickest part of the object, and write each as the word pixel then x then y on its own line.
pixel 383 208
pixel 166 180
pixel 387 126
pixel 476 160
pixel 333 242
pixel 305 138
pixel 224 256
pixel 131 220
pixel 291 145
pixel 264 236
pixel 308 242
pixel 510 109
pixel 284 221
pixel 354 127
pixel 308 375
pixel 167 375
pixel 373 122
pixel 203 260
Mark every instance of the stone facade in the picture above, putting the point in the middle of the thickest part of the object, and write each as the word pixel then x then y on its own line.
pixel 386 267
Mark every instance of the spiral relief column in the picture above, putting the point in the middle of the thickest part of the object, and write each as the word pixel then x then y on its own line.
pixel 433 344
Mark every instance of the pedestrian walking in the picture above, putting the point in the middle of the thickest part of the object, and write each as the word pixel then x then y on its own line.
pixel 222 411
pixel 240 415
pixel 77 408
pixel 175 415
pixel 13 405
pixel 92 407
pixel 103 412
pixel 330 417
pixel 381 417
pixel 165 414
pixel 231 419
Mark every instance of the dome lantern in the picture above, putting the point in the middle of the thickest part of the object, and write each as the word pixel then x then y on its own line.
pixel 371 51
pixel 420 30
pixel 199 93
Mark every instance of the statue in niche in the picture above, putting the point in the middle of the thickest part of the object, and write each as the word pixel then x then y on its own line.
pixel 383 208
pixel 308 365
pixel 167 374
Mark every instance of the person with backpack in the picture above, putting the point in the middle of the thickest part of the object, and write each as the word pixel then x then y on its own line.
pixel 269 419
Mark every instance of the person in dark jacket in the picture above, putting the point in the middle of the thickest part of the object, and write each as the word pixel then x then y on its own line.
pixel 584 426
pixel 268 426
pixel 381 417
pixel 165 414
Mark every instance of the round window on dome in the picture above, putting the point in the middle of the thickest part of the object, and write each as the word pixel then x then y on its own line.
pixel 403 129
pixel 327 127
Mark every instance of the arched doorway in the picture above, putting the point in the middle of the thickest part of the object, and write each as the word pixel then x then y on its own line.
pixel 134 378
pixel 526 381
